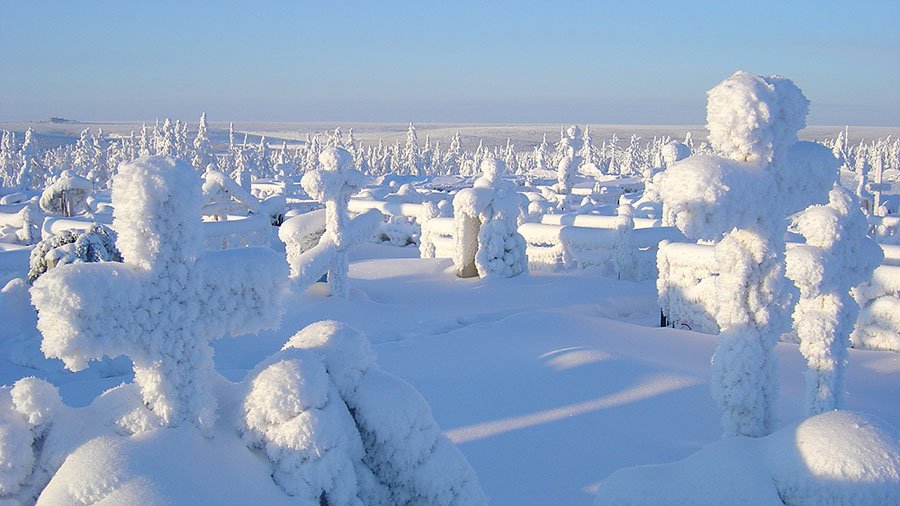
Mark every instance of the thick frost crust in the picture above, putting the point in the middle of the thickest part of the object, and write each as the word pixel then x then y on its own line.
pixel 335 426
pixel 163 305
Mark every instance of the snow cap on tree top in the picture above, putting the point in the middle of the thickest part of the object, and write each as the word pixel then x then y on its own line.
pixel 753 118
pixel 335 159
pixel 158 200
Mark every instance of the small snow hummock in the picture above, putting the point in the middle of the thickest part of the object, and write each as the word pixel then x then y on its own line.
pixel 486 216
pixel 163 305
pixel 337 428
pixel 332 185
pixel 741 198
pixel 837 256
pixel 835 458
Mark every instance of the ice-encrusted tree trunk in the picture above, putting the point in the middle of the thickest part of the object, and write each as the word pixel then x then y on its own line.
pixel 741 199
pixel 167 301
pixel 837 256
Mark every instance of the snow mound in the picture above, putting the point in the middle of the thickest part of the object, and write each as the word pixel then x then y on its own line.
pixel 836 458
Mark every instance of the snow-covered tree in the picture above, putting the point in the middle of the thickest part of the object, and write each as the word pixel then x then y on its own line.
pixel 165 302
pixel 96 244
pixel 203 154
pixel 338 430
pixel 333 185
pixel 837 256
pixel 487 239
pixel 412 158
pixel 741 199
pixel 570 147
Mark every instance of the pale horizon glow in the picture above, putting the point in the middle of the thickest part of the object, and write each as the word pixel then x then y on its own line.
pixel 461 62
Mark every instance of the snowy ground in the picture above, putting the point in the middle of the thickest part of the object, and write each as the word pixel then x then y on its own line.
pixel 547 382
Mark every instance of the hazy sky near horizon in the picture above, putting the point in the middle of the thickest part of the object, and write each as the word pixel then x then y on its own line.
pixel 637 62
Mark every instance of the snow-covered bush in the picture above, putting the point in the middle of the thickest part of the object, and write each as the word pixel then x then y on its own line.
pixel 337 428
pixel 163 305
pixel 96 244
pixel 878 325
pixel 837 256
pixel 486 215
pixel 741 199
pixel 27 412
pixel 68 195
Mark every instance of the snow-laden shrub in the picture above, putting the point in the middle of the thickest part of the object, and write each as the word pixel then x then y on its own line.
pixel 878 325
pixel 166 301
pixel 96 244
pixel 836 257
pixel 26 413
pixel 486 216
pixel 68 195
pixel 741 198
pixel 337 427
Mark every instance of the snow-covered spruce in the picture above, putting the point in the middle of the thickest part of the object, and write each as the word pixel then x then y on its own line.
pixel 96 244
pixel 332 185
pixel 837 256
pixel 335 426
pixel 570 146
pixel 169 298
pixel 27 411
pixel 741 199
pixel 835 458
pixel 486 216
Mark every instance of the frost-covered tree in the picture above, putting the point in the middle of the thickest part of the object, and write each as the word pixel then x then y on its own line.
pixel 96 244
pixel 487 239
pixel 333 185
pixel 837 256
pixel 338 430
pixel 203 154
pixel 741 198
pixel 165 302
pixel 412 158
pixel 570 147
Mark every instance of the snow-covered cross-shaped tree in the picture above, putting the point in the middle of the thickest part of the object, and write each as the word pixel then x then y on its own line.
pixel 169 298
pixel 333 185
pixel 486 226
pixel 741 198
pixel 837 256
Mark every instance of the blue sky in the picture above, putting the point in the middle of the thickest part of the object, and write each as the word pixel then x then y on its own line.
pixel 394 61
